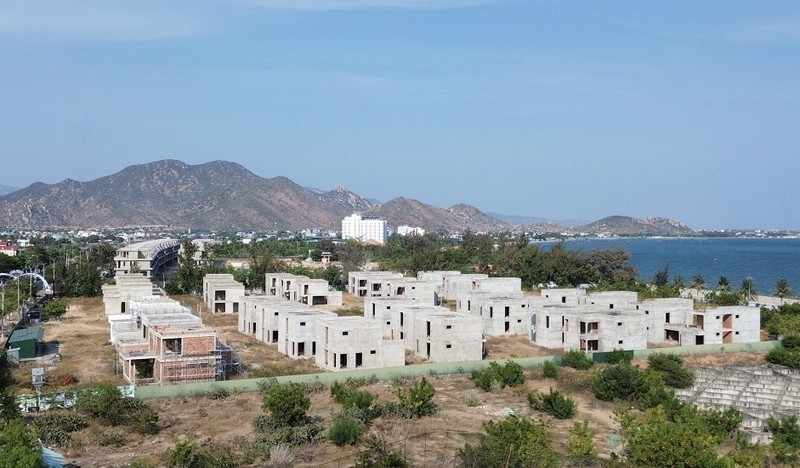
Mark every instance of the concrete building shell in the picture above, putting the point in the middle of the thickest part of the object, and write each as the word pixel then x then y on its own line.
pixel 297 332
pixel 222 293
pixel 501 314
pixel 148 257
pixel 356 342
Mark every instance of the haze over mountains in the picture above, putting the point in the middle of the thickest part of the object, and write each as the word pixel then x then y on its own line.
pixel 226 196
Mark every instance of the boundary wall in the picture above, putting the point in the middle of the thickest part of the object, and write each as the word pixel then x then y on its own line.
pixel 419 370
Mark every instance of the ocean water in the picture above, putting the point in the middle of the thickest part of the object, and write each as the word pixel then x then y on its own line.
pixel 764 260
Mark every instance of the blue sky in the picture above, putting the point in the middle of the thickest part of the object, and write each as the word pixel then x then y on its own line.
pixel 571 109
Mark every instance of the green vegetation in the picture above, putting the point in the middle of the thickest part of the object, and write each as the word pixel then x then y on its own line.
pixel 56 427
pixel 582 451
pixel 508 375
pixel 553 403
pixel 380 454
pixel 671 369
pixel 576 359
pixel 511 442
pixel 286 404
pixel 549 369
pixel 106 405
pixel 346 429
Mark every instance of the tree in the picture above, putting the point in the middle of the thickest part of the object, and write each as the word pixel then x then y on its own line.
pixel 661 278
pixel 582 451
pixel 699 284
pixel 417 401
pixel 782 289
pixel 18 445
pixel 55 309
pixel 286 403
pixel 723 284
pixel 655 440
pixel 511 442
pixel 748 290
pixel 672 370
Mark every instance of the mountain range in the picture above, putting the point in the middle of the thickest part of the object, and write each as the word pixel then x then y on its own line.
pixel 223 195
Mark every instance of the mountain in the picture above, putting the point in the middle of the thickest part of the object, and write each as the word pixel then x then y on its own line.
pixel 627 226
pixel 215 195
pixel 404 211
pixel 5 189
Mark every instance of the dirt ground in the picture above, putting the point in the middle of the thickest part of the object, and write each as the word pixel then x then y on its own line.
pixel 431 441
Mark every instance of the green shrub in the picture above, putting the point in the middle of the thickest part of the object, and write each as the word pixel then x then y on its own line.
pixel 380 454
pixel 619 356
pixel 620 382
pixel 345 429
pixel 107 405
pixel 549 369
pixel 417 401
pixel 582 451
pixel 472 401
pixel 286 403
pixel 511 442
pixel 508 375
pixel 785 439
pixel 55 427
pixel 553 403
pixel 576 359
pixel 671 368
pixel 349 396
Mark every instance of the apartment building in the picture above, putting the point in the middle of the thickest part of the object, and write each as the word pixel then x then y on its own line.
pixel 365 229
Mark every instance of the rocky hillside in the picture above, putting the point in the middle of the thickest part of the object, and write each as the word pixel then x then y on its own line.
pixel 215 195
pixel 627 226
pixel 461 217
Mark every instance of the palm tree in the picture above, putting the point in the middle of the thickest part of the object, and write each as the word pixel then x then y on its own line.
pixel 723 284
pixel 748 290
pixel 698 284
pixel 782 289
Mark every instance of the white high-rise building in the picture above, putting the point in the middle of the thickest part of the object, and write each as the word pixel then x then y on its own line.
pixel 364 229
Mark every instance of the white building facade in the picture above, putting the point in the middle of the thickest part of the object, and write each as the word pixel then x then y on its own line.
pixel 365 229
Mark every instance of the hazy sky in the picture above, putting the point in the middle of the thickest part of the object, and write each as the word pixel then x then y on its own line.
pixel 561 109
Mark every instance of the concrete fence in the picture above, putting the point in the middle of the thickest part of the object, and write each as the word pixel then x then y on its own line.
pixel 417 370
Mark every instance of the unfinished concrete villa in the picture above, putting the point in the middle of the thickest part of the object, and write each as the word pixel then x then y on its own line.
pixel 159 341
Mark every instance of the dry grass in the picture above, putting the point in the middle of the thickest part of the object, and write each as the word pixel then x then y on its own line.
pixel 86 352
pixel 517 346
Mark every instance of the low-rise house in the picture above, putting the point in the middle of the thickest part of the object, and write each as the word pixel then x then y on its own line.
pixel 222 293
pixel 501 314
pixel 117 297
pixel 365 283
pixel 297 332
pixel 354 343
pixel 456 285
pixel 318 292
pixel 445 336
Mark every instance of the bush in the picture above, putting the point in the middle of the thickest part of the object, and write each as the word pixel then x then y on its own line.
pixel 576 359
pixel 286 403
pixel 417 401
pixel 553 403
pixel 549 369
pixel 55 427
pixel 581 445
pixel 349 396
pixel 619 356
pixel 785 439
pixel 620 382
pixel 107 405
pixel 508 375
pixel 671 368
pixel 511 442
pixel 472 401
pixel 380 454
pixel 346 429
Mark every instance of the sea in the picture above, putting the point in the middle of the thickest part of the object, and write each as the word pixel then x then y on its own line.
pixel 764 260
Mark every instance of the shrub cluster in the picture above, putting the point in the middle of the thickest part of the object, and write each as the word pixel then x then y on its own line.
pixel 508 375
pixel 576 359
pixel 671 369
pixel 56 427
pixel 107 406
pixel 553 403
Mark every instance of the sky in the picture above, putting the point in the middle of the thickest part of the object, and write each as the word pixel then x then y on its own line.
pixel 568 109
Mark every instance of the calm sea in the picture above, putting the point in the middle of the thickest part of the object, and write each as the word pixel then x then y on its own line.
pixel 764 260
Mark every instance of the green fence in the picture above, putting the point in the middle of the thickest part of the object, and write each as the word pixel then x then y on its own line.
pixel 417 370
